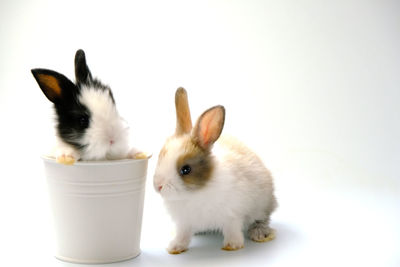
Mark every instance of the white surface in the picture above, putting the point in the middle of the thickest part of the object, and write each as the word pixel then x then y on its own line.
pixel 312 86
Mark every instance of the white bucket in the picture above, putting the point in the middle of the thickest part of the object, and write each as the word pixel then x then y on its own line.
pixel 97 208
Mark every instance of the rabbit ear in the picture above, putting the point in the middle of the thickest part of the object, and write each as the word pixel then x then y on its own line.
pixel 183 119
pixel 53 84
pixel 209 127
pixel 82 72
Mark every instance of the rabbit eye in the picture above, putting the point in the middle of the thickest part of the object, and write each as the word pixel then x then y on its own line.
pixel 84 121
pixel 185 170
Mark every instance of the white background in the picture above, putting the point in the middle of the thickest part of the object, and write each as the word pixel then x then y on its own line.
pixel 312 86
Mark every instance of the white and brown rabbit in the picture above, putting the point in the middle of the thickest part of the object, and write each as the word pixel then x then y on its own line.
pixel 88 125
pixel 212 183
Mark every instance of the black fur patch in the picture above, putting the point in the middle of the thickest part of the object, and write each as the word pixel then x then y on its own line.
pixel 84 77
pixel 73 119
pixel 82 72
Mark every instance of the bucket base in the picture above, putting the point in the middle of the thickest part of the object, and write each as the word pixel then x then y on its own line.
pixel 88 261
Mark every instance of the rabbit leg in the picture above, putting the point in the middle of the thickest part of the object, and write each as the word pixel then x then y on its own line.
pixel 181 242
pixel 233 235
pixel 66 154
pixel 260 231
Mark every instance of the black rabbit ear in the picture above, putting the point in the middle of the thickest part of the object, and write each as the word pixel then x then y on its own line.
pixel 54 85
pixel 82 72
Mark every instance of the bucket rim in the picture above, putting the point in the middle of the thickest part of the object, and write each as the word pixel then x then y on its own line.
pixel 50 159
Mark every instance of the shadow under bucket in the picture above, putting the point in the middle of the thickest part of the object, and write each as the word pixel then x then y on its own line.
pixel 97 208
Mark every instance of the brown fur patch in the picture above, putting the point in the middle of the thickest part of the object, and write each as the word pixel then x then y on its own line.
pixel 183 119
pixel 50 85
pixel 201 164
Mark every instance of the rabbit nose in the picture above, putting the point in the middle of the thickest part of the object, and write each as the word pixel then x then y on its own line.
pixel 111 142
pixel 158 186
pixel 158 182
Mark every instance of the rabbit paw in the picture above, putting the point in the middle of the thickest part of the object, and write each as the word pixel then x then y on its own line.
pixel 177 248
pixel 66 155
pixel 65 159
pixel 261 233
pixel 181 241
pixel 137 154
pixel 233 236
pixel 234 243
pixel 231 246
pixel 140 155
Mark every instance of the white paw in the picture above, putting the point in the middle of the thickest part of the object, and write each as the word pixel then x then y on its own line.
pixel 137 154
pixel 177 247
pixel 140 155
pixel 231 244
pixel 66 155
pixel 65 159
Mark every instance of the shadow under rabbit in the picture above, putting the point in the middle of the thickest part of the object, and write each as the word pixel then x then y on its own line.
pixel 205 248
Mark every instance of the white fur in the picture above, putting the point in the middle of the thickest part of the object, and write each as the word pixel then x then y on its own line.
pixel 239 192
pixel 63 149
pixel 107 135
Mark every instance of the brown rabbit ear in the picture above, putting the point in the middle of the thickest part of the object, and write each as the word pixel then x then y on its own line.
pixel 209 127
pixel 183 119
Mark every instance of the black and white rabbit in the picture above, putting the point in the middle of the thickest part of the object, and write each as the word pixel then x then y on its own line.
pixel 88 125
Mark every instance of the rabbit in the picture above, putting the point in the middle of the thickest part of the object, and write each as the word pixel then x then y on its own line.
pixel 212 183
pixel 88 126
